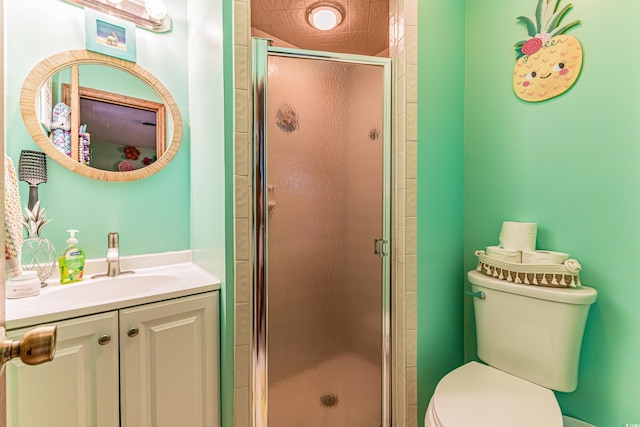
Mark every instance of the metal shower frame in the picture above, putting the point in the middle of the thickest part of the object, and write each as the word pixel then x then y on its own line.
pixel 261 49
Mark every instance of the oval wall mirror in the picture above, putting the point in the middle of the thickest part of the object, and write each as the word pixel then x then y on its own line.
pixel 100 116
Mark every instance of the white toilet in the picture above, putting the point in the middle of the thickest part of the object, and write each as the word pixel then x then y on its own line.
pixel 530 339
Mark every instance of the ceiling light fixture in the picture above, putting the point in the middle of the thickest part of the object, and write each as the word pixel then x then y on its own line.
pixel 149 14
pixel 156 9
pixel 325 16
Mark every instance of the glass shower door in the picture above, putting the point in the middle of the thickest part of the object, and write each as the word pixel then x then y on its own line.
pixel 327 214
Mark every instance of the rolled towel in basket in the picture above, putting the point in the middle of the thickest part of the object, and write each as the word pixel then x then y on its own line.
pixel 504 254
pixel 544 257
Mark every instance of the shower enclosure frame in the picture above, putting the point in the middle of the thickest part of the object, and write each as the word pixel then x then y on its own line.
pixel 261 49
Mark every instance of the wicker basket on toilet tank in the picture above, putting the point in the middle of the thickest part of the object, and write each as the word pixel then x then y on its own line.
pixel 551 275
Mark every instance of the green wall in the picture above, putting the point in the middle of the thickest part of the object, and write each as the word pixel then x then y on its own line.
pixel 211 171
pixel 570 164
pixel 441 49
pixel 181 207
pixel 153 214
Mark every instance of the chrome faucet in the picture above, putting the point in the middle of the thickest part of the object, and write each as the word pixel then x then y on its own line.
pixel 113 257
pixel 113 254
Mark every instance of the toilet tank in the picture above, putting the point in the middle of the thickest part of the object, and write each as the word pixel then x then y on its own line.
pixel 532 332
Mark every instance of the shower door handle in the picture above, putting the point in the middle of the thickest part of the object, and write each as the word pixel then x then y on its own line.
pixel 378 247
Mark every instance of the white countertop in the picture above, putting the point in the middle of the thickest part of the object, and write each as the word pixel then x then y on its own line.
pixel 156 277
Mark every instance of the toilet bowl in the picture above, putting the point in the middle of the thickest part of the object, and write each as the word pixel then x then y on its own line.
pixel 573 422
pixel 515 324
pixel 482 396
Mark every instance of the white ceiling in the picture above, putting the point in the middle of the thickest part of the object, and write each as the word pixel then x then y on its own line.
pixel 364 30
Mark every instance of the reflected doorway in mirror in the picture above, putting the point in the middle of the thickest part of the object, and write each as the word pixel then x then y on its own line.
pixel 119 128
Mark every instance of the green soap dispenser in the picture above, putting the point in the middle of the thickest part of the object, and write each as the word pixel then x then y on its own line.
pixel 71 261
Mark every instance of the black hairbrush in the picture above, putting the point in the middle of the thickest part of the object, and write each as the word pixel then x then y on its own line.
pixel 32 168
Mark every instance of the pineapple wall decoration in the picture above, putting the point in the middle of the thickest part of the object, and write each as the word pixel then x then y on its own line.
pixel 549 62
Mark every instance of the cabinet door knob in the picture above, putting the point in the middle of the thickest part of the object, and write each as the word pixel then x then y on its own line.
pixel 104 339
pixel 133 331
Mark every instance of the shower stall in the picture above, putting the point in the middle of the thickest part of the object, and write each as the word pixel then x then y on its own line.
pixel 321 220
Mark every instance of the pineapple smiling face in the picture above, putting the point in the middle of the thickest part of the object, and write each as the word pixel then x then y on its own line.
pixel 549 62
pixel 550 71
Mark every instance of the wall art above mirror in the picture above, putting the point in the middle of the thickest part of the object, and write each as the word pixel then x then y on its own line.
pixel 100 116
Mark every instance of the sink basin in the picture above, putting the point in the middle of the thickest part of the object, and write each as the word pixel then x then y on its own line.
pixel 107 288
pixel 157 277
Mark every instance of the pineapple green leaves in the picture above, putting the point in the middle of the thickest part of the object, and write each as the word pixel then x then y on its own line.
pixel 34 220
pixel 545 24
pixel 531 27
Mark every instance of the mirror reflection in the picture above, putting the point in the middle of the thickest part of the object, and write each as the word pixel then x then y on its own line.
pixel 121 120
pixel 100 116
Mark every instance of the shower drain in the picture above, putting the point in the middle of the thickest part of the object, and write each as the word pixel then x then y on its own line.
pixel 329 400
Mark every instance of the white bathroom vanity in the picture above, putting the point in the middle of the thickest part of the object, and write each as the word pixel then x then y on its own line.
pixel 134 350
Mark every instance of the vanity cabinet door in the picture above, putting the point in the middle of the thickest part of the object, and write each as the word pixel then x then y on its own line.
pixel 79 388
pixel 169 363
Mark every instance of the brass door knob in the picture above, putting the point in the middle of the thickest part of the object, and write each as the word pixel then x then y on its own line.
pixel 36 347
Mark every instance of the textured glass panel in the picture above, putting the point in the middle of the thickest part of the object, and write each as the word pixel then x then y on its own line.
pixel 325 176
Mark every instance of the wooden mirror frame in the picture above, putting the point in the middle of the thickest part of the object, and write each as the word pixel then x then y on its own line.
pixel 55 63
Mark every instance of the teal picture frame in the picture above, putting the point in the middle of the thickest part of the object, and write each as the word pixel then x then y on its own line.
pixel 109 35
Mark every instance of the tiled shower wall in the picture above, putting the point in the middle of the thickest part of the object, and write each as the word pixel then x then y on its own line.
pixel 403 51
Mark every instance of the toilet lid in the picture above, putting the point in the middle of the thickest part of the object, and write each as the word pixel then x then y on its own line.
pixel 479 395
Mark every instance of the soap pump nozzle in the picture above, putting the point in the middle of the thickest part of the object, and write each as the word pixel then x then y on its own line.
pixel 72 237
